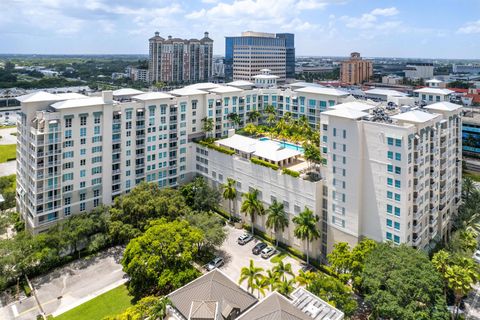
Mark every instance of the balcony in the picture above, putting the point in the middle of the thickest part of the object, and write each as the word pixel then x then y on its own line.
pixel 417 241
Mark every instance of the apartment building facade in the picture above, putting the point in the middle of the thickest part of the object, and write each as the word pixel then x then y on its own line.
pixel 175 60
pixel 356 70
pixel 246 55
pixel 388 176
pixel 392 177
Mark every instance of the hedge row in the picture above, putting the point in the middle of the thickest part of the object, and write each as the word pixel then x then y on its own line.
pixel 264 163
pixel 292 173
pixel 217 148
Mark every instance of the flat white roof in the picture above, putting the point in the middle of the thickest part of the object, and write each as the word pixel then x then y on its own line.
pixel 433 81
pixel 354 105
pixel 301 84
pixel 443 106
pixel 386 92
pixel 434 91
pixel 187 92
pixel 203 85
pixel 126 92
pixel 77 103
pixel 240 83
pixel 345 113
pixel 266 149
pixel 152 96
pixel 71 95
pixel 225 89
pixel 39 96
pixel 415 116
pixel 324 91
pixel 265 76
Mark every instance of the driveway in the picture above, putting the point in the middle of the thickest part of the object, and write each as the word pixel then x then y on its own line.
pixel 6 137
pixel 68 287
pixel 237 256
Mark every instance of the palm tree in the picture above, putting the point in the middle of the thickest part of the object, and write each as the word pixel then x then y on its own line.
pixel 460 279
pixel 277 218
pixel 207 125
pixel 468 187
pixel 230 194
pixel 282 269
pixel 252 206
pixel 234 118
pixel 251 274
pixel 269 109
pixel 306 229
pixel 285 287
pixel 261 283
pixel 253 115
pixel 304 278
pixel 272 278
pixel 159 309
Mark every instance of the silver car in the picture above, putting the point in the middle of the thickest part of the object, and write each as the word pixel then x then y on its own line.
pixel 267 252
pixel 215 263
pixel 244 238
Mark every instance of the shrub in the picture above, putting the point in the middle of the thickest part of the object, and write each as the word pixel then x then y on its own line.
pixel 292 173
pixel 213 146
pixel 264 163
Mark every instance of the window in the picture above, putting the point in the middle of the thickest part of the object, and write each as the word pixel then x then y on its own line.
pixel 390 168
pixel 390 141
pixel 96 120
pixel 389 194
pixel 396 239
pixel 389 154
pixel 398 170
pixel 344 134
pixel 68 123
pixel 397 211
pixel 67 177
pixel 389 223
pixel 334 132
pixel 82 184
pixel 83 120
pixel 398 156
pixel 398 142
pixel 389 208
pixel 397 197
pixel 83 152
pixel 398 184
pixel 96 130
pixel 397 226
pixel 68 134
pixel 389 236
pixel 82 206
pixel 390 181
pixel 83 132
pixel 82 173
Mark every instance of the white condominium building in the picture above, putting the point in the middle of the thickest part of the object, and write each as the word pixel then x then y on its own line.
pixel 391 175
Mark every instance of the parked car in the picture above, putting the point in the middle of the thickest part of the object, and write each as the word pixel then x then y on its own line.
pixel 268 252
pixel 245 238
pixel 308 268
pixel 476 256
pixel 259 247
pixel 215 263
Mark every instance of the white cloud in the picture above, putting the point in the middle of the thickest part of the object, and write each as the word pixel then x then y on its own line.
pixel 470 28
pixel 386 12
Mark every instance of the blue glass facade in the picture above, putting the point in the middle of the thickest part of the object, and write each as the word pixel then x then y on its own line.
pixel 471 139
pixel 286 40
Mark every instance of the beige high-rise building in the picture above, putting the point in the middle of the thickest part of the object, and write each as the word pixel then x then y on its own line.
pixel 356 70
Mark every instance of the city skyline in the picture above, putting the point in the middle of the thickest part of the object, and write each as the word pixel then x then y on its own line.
pixel 321 27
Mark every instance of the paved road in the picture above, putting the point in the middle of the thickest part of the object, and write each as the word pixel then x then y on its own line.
pixel 8 168
pixel 237 256
pixel 70 286
pixel 6 137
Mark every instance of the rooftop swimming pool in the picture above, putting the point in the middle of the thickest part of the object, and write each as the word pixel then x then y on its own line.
pixel 284 144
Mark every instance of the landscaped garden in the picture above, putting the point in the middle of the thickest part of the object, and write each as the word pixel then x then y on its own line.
pixel 8 152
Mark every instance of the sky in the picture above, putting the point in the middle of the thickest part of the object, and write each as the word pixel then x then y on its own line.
pixel 375 28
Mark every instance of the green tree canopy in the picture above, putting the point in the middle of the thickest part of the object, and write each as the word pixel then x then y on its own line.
pixel 159 261
pixel 401 283
pixel 200 196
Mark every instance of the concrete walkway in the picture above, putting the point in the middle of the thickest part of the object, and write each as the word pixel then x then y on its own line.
pixel 7 138
pixel 8 168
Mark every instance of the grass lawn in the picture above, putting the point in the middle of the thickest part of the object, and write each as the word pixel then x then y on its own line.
pixel 279 257
pixel 110 303
pixel 8 152
pixel 7 127
pixel 471 175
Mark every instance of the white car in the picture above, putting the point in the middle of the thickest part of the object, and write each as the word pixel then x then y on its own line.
pixel 476 256
pixel 267 252
pixel 215 263
pixel 244 239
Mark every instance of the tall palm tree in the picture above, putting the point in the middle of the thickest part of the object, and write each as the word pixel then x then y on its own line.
pixel 230 194
pixel 252 206
pixel 306 229
pixel 159 309
pixel 253 115
pixel 286 287
pixel 283 269
pixel 234 118
pixel 277 218
pixel 207 125
pixel 251 274
pixel 261 284
pixel 304 278
pixel 269 109
pixel 272 278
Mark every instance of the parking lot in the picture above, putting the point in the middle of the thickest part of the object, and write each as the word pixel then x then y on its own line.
pixel 238 256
